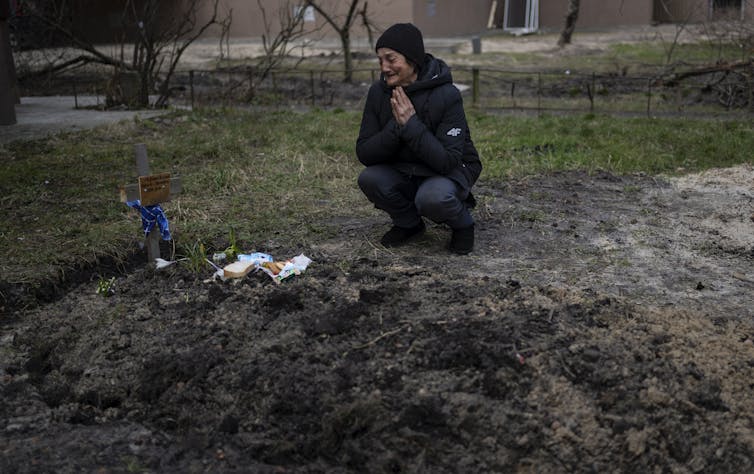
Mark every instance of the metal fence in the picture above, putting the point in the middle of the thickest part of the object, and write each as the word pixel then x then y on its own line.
pixel 721 93
pixel 491 89
pixel 617 93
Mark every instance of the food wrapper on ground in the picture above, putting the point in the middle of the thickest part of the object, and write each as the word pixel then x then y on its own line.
pixel 238 269
pixel 257 257
pixel 245 264
pixel 279 271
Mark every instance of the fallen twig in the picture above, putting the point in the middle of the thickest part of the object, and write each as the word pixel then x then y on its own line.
pixel 739 276
pixel 379 338
pixel 675 78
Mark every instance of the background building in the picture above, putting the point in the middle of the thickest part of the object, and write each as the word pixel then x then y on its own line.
pixel 102 20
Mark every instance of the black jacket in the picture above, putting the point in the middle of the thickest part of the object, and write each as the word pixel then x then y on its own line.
pixel 435 141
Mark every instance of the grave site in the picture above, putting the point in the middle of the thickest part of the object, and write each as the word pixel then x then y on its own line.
pixel 603 322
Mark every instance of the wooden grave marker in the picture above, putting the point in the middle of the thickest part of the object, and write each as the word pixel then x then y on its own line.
pixel 151 189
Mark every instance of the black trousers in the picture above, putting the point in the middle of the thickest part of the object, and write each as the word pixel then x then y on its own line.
pixel 408 198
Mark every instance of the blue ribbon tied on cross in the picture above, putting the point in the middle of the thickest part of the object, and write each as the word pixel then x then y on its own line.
pixel 151 215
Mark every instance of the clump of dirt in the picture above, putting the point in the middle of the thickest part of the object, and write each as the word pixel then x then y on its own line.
pixel 602 323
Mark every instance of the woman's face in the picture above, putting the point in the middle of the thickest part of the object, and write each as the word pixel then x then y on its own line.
pixel 396 69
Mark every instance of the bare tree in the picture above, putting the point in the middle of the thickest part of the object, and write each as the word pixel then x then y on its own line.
pixel 570 23
pixel 159 38
pixel 368 25
pixel 159 41
pixel 7 72
pixel 729 79
pixel 342 26
pixel 278 42
pixel 277 47
pixel 225 24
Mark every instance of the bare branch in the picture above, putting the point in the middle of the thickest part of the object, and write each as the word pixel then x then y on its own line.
pixel 343 30
pixel 675 78
pixel 54 22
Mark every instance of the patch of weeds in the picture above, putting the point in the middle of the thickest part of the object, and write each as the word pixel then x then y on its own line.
pixel 586 132
pixel 133 465
pixel 344 266
pixel 222 179
pixel 623 263
pixel 631 188
pixel 232 251
pixel 196 258
pixel 106 286
pixel 607 226
pixel 531 215
pixel 542 149
pixel 645 211
pixel 538 196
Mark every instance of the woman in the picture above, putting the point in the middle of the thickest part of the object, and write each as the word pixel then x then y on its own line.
pixel 415 143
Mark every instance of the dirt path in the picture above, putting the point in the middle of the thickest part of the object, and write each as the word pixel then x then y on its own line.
pixel 603 323
pixel 204 53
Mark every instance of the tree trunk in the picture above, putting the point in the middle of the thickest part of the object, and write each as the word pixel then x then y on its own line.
pixel 7 78
pixel 345 39
pixel 570 23
pixel 344 32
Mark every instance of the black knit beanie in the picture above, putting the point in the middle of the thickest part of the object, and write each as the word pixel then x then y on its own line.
pixel 406 39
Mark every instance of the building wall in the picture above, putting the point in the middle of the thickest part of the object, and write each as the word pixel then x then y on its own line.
pixel 248 21
pixel 433 17
pixel 596 13
pixel 456 17
pixel 451 17
pixel 668 11
pixel 101 20
pixel 108 25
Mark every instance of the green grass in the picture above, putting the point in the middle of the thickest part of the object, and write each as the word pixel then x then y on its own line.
pixel 283 179
pixel 518 146
pixel 661 53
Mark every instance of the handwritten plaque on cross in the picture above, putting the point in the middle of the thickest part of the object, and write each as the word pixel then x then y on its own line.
pixel 150 189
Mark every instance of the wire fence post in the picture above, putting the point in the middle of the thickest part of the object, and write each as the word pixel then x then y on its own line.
pixel 592 94
pixel 475 86
pixel 191 88
pixel 228 97
pixel 649 97
pixel 539 93
pixel 311 82
pixel 252 92
pixel 513 93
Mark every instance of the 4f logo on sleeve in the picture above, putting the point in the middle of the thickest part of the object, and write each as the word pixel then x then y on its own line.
pixel 454 132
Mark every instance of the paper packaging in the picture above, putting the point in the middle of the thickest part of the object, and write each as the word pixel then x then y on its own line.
pixel 278 271
pixel 294 266
pixel 257 257
pixel 238 269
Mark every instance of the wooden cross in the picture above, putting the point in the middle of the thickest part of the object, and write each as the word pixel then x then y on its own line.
pixel 151 189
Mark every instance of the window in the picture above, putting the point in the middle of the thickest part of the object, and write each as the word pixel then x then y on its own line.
pixel 308 13
pixel 724 4
pixel 431 8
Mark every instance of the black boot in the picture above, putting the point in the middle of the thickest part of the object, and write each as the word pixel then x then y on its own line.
pixel 400 235
pixel 462 241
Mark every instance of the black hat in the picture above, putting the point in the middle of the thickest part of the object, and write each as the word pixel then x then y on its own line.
pixel 406 39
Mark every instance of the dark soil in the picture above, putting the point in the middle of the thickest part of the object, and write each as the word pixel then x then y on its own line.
pixel 602 324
